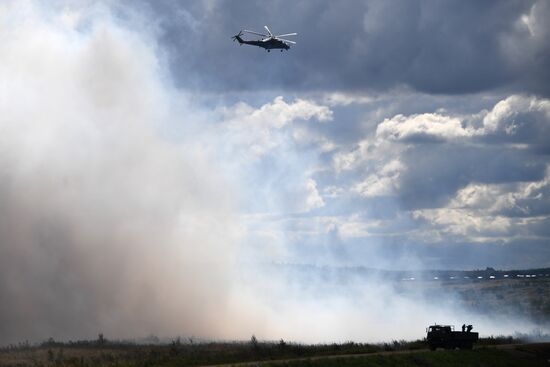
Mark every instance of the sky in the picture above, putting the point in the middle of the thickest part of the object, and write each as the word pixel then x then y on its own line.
pixel 434 142
pixel 146 159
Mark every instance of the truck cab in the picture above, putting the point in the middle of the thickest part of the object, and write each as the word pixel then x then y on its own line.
pixel 445 336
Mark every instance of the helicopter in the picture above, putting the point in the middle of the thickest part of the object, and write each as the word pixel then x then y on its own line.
pixel 268 42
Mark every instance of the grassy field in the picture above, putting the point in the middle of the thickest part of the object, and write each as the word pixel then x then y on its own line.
pixel 520 356
pixel 174 354
pixel 391 354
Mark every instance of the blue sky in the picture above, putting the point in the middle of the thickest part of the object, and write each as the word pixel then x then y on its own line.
pixel 146 156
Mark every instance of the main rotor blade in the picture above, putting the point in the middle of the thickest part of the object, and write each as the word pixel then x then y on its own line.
pixel 268 31
pixel 288 34
pixel 259 34
pixel 289 41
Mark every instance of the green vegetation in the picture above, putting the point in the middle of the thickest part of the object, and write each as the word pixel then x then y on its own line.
pixel 484 357
pixel 106 353
pixel 102 352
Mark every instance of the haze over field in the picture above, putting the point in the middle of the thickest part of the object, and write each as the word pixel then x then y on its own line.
pixel 152 171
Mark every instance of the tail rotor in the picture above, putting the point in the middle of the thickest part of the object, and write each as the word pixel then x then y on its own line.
pixel 238 38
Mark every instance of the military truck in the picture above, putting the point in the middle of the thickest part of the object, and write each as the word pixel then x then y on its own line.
pixel 444 336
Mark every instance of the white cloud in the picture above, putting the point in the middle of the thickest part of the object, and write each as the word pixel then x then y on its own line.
pixel 349 160
pixel 522 199
pixel 279 113
pixel 483 212
pixel 508 117
pixel 427 125
pixel 465 224
pixel 313 199
pixel 385 182
pixel 267 146
pixel 261 130
pixel 476 196
pixel 505 115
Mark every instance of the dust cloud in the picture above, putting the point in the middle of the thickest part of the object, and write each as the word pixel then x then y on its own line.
pixel 106 225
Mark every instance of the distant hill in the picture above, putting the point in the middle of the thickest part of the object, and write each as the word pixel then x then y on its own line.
pixel 332 273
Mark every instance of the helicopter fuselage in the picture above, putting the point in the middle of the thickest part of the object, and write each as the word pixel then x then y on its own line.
pixel 268 43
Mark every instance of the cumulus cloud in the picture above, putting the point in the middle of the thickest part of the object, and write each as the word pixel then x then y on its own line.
pixel 260 130
pixel 521 120
pixel 455 222
pixel 477 177
pixel 350 159
pixel 517 119
pixel 516 200
pixel 384 183
pixel 426 126
pixel 485 212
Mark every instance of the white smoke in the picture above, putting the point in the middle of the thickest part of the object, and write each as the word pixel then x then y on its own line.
pixel 106 224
